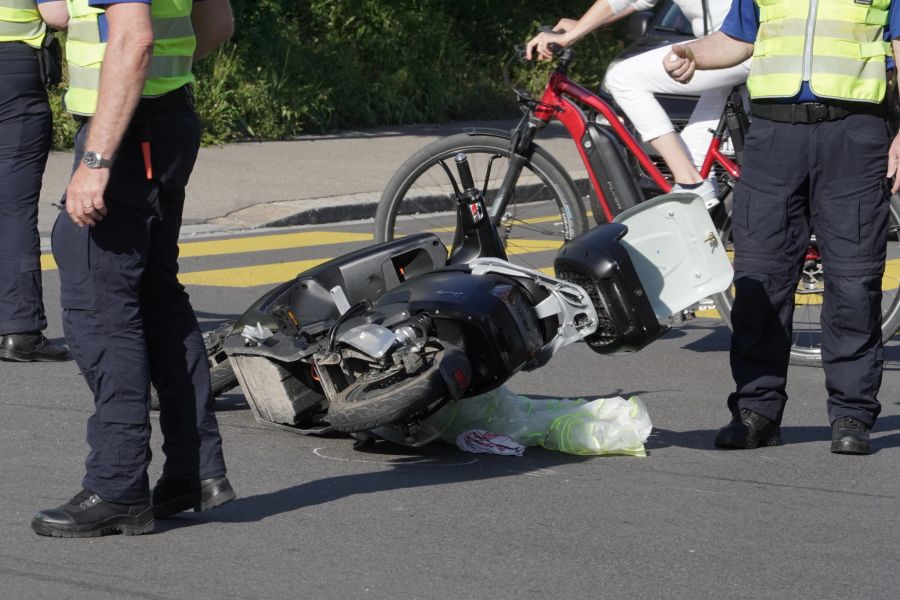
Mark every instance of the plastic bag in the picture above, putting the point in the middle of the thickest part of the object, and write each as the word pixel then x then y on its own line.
pixel 604 426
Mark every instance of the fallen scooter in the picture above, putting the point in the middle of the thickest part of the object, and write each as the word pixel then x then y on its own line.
pixel 379 339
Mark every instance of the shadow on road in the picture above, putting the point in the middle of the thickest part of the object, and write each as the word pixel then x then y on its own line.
pixel 436 464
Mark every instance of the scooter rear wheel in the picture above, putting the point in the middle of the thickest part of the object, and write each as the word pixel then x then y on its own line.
pixel 372 402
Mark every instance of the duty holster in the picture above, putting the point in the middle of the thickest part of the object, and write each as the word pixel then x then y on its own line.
pixel 49 57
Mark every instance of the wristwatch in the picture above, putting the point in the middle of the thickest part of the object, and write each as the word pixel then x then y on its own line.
pixel 93 160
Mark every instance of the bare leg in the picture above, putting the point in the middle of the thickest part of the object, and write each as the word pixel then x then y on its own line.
pixel 671 147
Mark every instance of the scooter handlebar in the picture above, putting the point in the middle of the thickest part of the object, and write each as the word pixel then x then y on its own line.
pixel 465 172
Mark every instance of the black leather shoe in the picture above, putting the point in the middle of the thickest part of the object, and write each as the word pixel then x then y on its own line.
pixel 31 347
pixel 172 496
pixel 849 436
pixel 749 430
pixel 86 515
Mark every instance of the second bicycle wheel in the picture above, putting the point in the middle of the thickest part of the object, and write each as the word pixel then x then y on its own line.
pixel 806 341
pixel 544 207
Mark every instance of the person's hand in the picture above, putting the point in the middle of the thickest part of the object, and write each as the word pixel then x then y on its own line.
pixel 84 196
pixel 680 63
pixel 564 25
pixel 893 163
pixel 538 46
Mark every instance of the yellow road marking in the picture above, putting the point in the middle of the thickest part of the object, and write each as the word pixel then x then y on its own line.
pixel 270 274
pixel 242 277
pixel 550 219
pixel 529 246
pixel 273 273
pixel 262 243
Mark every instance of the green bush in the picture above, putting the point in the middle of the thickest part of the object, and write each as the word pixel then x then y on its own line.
pixel 318 65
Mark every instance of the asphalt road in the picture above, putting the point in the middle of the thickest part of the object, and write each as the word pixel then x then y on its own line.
pixel 317 519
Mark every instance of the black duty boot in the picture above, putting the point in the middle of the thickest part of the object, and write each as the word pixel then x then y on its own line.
pixel 31 347
pixel 749 430
pixel 86 515
pixel 849 436
pixel 172 495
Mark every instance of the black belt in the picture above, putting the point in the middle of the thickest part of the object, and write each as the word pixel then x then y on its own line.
pixel 812 112
pixel 15 50
pixel 183 96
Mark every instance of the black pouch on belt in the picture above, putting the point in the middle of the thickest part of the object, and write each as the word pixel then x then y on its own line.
pixel 50 61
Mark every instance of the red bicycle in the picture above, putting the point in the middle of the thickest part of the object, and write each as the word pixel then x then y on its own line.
pixel 536 204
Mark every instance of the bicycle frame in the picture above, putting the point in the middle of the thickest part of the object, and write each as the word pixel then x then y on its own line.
pixel 559 100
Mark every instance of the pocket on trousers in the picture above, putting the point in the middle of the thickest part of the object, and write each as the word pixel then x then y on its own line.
pixel 760 214
pixel 71 247
pixel 124 445
pixel 855 217
pixel 30 288
pixel 117 410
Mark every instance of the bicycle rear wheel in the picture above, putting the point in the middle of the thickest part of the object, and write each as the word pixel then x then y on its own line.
pixel 806 344
pixel 544 207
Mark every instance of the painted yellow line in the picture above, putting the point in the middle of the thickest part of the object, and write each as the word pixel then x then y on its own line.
pixel 708 313
pixel 264 243
pixel 550 219
pixel 261 243
pixel 891 274
pixel 529 246
pixel 242 277
pixel 270 274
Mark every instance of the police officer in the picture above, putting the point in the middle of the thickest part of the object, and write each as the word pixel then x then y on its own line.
pixel 128 320
pixel 817 157
pixel 25 128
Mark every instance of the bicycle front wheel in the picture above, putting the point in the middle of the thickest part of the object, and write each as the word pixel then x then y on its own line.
pixel 544 207
pixel 806 341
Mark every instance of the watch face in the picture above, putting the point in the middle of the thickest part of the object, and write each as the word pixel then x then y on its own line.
pixel 94 161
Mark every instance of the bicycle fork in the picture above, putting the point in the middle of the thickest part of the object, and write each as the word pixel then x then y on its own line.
pixel 521 148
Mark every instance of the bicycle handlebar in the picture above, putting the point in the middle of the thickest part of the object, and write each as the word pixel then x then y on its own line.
pixel 554 48
pixel 565 56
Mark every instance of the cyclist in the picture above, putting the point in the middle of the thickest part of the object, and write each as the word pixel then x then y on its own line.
pixel 634 81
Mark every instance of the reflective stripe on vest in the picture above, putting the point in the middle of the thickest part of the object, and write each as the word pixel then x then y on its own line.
pixel 836 45
pixel 20 21
pixel 170 67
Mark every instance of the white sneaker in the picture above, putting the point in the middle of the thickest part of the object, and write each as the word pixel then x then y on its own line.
pixel 706 190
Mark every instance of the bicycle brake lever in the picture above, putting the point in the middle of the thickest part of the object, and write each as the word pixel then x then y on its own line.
pixel 519 53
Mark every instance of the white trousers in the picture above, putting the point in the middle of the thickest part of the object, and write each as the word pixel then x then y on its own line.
pixel 633 82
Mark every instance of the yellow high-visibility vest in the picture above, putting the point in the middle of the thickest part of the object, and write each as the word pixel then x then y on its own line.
pixel 20 21
pixel 835 45
pixel 170 67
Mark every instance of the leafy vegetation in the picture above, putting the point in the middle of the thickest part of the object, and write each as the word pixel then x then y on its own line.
pixel 311 66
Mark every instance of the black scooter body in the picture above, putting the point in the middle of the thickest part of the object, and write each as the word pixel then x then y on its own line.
pixel 367 326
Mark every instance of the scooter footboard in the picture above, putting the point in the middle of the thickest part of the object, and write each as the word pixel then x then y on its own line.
pixel 598 262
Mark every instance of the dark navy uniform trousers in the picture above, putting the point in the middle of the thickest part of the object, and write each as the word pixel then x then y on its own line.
pixel 25 128
pixel 828 178
pixel 128 320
